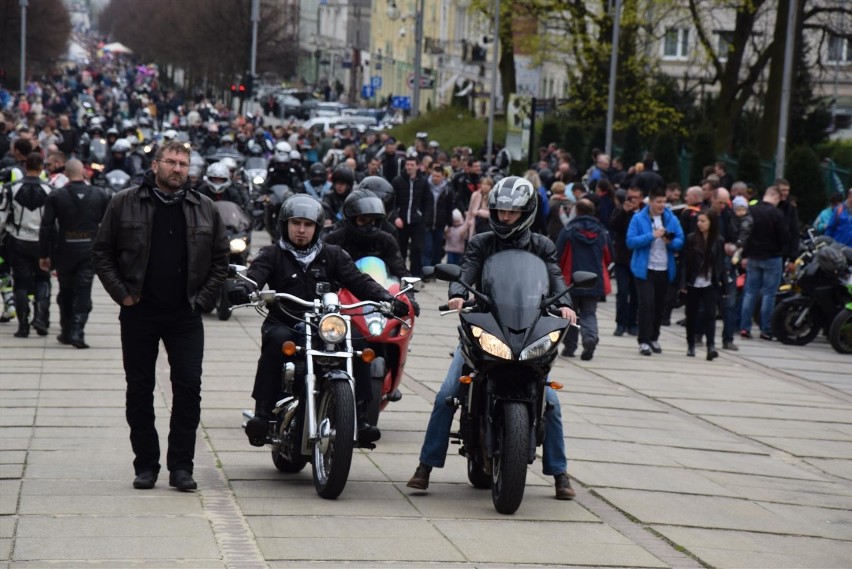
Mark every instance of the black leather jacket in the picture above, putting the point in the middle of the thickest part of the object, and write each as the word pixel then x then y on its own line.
pixel 381 245
pixel 121 248
pixel 279 269
pixel 693 260
pixel 482 245
pixel 77 209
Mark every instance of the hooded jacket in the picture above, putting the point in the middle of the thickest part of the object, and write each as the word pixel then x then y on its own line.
pixel 585 245
pixel 640 235
pixel 443 199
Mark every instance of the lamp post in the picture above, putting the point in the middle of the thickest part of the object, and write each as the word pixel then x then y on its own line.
pixel 23 4
pixel 613 67
pixel 493 97
pixel 786 90
pixel 393 14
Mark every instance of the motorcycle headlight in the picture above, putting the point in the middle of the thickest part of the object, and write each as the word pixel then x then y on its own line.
pixel 332 328
pixel 491 344
pixel 238 245
pixel 540 346
pixel 375 327
pixel 257 180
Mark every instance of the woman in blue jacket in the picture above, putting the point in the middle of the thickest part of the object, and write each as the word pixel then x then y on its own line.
pixel 654 235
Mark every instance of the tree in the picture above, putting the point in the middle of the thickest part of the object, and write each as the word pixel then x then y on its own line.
pixel 666 155
pixel 806 182
pixel 749 169
pixel 703 153
pixel 48 32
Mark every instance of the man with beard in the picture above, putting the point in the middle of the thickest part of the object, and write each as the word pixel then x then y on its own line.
pixel 162 254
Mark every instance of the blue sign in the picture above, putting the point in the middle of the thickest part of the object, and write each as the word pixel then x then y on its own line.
pixel 403 103
pixel 367 92
pixel 376 81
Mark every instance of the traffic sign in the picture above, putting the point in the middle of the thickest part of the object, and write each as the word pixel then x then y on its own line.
pixel 403 103
pixel 426 81
pixel 376 81
pixel 367 92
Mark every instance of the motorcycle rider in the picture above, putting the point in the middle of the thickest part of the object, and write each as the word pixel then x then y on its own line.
pixel 280 171
pixel 317 184
pixel 513 203
pixel 295 264
pixel 342 180
pixel 218 186
pixel 118 159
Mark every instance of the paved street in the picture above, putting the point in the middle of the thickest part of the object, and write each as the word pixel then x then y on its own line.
pixel 678 462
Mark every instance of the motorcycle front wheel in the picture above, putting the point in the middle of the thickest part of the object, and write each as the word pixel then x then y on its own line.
pixel 840 333
pixel 375 405
pixel 332 452
pixel 223 307
pixel 509 474
pixel 787 327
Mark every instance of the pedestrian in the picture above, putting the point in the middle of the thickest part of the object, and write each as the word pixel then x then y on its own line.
pixel 21 211
pixel 840 226
pixel 788 207
pixel 442 197
pixel 68 228
pixel 584 245
pixel 456 237
pixel 162 253
pixel 704 278
pixel 414 211
pixel 763 257
pixel 654 235
pixel 561 205
pixel 478 215
pixel 626 297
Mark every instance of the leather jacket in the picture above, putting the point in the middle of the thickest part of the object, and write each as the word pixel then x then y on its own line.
pixel 483 245
pixel 381 245
pixel 121 248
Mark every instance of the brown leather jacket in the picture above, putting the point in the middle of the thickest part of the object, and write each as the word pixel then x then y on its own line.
pixel 121 249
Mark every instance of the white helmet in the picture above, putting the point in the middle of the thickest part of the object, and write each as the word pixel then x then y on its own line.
pixel 282 151
pixel 170 134
pixel 230 163
pixel 120 145
pixel 295 155
pixel 219 172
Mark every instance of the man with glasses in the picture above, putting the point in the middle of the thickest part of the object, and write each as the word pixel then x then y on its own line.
pixel 162 253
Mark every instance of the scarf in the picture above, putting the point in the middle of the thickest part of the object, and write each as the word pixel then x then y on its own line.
pixel 304 256
pixel 169 198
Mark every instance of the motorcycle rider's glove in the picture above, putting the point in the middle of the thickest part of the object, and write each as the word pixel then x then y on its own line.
pixel 414 305
pixel 238 294
pixel 399 308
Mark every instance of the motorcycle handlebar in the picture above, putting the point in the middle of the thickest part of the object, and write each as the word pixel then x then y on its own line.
pixel 268 296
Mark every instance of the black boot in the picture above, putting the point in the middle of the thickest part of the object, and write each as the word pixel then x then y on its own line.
pixel 41 313
pixel 75 337
pixel 257 428
pixel 690 350
pixel 712 354
pixel 22 306
pixel 66 319
pixel 367 433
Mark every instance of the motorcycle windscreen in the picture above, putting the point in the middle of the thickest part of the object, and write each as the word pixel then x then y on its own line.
pixel 377 269
pixel 233 216
pixel 255 163
pixel 516 281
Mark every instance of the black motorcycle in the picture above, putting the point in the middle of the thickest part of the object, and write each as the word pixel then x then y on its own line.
pixel 238 226
pixel 509 341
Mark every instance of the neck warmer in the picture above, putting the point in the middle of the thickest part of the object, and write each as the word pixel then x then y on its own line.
pixel 303 256
pixel 169 198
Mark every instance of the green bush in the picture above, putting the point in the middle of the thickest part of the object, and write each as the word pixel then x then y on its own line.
pixel 703 153
pixel 666 155
pixel 749 169
pixel 574 141
pixel 551 131
pixel 806 183
pixel 632 152
pixel 451 127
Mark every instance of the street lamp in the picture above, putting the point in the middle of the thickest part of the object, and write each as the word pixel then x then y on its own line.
pixel 23 4
pixel 393 14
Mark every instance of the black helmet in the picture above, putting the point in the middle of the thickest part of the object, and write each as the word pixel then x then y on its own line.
pixel 316 173
pixel 382 189
pixel 363 202
pixel 513 194
pixel 301 206
pixel 343 173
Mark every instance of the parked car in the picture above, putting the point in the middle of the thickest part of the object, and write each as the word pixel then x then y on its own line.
pixel 322 124
pixel 326 109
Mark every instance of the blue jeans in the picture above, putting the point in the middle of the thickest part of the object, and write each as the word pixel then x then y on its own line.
pixel 433 247
pixel 437 441
pixel 762 277
pixel 586 308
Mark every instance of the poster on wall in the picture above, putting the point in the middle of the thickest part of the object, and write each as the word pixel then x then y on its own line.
pixel 518 126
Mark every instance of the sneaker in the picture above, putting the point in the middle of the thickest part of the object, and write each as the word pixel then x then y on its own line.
pixel 765 336
pixel 619 330
pixel 745 334
pixel 420 480
pixel 655 347
pixel 566 353
pixel 645 349
pixel 730 346
pixel 563 487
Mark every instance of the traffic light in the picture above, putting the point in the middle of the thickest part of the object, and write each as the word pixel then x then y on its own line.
pixel 248 86
pixel 233 89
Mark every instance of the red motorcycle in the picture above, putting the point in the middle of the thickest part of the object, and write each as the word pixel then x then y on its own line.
pixel 387 336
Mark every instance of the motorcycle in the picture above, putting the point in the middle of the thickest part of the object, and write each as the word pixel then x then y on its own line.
pixel 271 204
pixel 316 418
pixel 819 294
pixel 117 180
pixel 255 174
pixel 238 226
pixel 840 333
pixel 388 337
pixel 509 340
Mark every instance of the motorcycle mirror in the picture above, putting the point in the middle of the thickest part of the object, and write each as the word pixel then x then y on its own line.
pixel 413 282
pixel 448 272
pixel 234 270
pixel 428 273
pixel 584 279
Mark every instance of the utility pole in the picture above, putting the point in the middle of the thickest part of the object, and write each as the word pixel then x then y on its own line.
pixel 613 67
pixel 784 118
pixel 493 98
pixel 418 57
pixel 23 4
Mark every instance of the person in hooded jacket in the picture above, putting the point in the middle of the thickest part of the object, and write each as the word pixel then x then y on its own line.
pixel 414 211
pixel 342 182
pixel 585 245
pixel 442 196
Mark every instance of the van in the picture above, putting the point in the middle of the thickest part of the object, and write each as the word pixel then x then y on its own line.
pixel 322 124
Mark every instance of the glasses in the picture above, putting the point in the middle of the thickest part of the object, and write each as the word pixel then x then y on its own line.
pixel 169 163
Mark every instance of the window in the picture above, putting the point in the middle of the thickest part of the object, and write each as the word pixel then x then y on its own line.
pixel 726 39
pixel 839 49
pixel 676 43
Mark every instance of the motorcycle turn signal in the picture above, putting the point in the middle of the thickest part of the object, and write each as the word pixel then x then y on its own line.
pixel 368 355
pixel 288 348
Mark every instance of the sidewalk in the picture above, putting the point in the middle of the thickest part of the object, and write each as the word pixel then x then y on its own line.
pixel 679 462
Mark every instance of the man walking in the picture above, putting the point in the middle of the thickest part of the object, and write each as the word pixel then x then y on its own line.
pixel 162 254
pixel 77 210
pixel 414 212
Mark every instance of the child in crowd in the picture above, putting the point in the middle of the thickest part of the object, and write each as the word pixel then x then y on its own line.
pixel 742 223
pixel 456 238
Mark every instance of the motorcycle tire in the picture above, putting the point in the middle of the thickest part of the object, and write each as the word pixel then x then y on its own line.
pixel 784 325
pixel 478 477
pixel 509 474
pixel 223 306
pixel 375 405
pixel 840 333
pixel 332 455
pixel 289 466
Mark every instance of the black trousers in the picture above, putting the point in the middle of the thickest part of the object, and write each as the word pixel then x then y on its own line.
pixel 701 313
pixel 182 334
pixel 415 234
pixel 75 272
pixel 267 380
pixel 27 277
pixel 652 302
